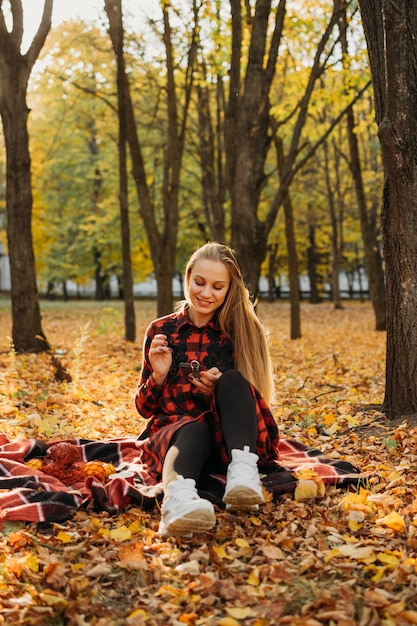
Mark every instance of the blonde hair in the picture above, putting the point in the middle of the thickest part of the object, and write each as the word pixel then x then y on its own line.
pixel 238 320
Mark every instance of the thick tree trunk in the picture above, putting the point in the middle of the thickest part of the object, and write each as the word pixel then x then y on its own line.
pixel 210 152
pixel 390 32
pixel 27 331
pixel 247 133
pixel 15 69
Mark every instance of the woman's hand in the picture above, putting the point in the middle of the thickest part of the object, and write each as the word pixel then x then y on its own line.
pixel 208 379
pixel 160 358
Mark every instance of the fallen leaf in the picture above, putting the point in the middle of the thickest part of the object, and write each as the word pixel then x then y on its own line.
pixel 393 520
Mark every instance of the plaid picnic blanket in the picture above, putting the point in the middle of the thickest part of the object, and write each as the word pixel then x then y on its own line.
pixel 32 495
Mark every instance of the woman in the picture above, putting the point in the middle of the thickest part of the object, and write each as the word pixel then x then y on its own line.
pixel 206 384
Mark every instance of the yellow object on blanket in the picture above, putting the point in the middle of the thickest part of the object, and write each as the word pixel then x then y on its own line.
pixel 99 469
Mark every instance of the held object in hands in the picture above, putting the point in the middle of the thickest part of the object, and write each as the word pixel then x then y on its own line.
pixel 191 369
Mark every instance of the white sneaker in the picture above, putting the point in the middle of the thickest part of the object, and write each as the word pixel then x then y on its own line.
pixel 243 485
pixel 183 511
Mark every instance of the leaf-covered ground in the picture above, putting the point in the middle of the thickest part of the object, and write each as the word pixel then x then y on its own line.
pixel 347 558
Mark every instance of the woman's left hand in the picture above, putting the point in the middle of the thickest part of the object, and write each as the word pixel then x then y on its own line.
pixel 208 379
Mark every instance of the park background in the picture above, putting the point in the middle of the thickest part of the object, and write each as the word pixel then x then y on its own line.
pixel 277 153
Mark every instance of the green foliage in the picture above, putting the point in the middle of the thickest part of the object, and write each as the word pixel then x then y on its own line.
pixel 73 130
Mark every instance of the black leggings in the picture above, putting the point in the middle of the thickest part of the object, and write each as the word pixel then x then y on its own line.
pixel 194 441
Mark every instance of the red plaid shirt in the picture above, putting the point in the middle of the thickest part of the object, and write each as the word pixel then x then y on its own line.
pixel 178 401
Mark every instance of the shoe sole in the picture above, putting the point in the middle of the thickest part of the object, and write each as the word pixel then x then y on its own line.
pixel 193 522
pixel 244 508
pixel 243 498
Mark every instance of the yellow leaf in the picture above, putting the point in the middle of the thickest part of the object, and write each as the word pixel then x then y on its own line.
pixel 242 543
pixel 388 559
pixel 240 613
pixel 76 566
pixel 328 418
pixel 392 520
pixel 255 521
pixel 357 501
pixel 136 527
pixel 221 553
pixel 138 613
pixel 355 520
pixel 307 474
pixel 122 533
pixel 253 578
pixel 379 574
pixel 354 526
pixel 53 599
pixel 32 562
pixel 64 537
pixel 228 621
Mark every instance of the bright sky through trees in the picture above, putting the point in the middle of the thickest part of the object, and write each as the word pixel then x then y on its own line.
pixel 85 9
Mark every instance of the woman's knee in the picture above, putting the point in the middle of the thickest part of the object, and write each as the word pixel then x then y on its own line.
pixel 193 434
pixel 231 379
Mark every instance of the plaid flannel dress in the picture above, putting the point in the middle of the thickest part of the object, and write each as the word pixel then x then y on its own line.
pixel 178 401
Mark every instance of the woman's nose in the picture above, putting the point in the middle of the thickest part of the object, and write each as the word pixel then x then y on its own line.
pixel 206 290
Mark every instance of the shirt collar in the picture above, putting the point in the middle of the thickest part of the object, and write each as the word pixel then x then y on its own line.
pixel 184 319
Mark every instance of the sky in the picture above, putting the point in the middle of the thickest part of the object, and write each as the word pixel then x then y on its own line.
pixel 85 9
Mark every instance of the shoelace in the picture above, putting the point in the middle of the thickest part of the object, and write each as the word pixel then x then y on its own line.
pixel 243 470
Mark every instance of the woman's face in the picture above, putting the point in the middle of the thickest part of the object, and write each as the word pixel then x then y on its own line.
pixel 209 283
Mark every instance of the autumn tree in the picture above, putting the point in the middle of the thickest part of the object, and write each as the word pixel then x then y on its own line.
pixel 248 124
pixel 369 233
pixel 161 222
pixel 74 130
pixel 390 29
pixel 15 70
pixel 116 31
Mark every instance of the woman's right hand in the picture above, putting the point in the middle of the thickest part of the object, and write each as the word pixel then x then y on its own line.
pixel 160 358
pixel 208 379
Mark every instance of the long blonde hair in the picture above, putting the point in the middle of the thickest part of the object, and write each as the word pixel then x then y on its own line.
pixel 238 320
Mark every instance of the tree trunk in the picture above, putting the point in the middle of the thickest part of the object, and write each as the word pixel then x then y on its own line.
pixel 372 256
pixel 247 133
pixel 334 221
pixel 293 279
pixel 210 152
pixel 272 271
pixel 248 128
pixel 390 33
pixel 15 70
pixel 312 260
pixel 295 322
pixel 162 239
pixel 116 31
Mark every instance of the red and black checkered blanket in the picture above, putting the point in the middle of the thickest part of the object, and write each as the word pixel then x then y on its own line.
pixel 32 495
